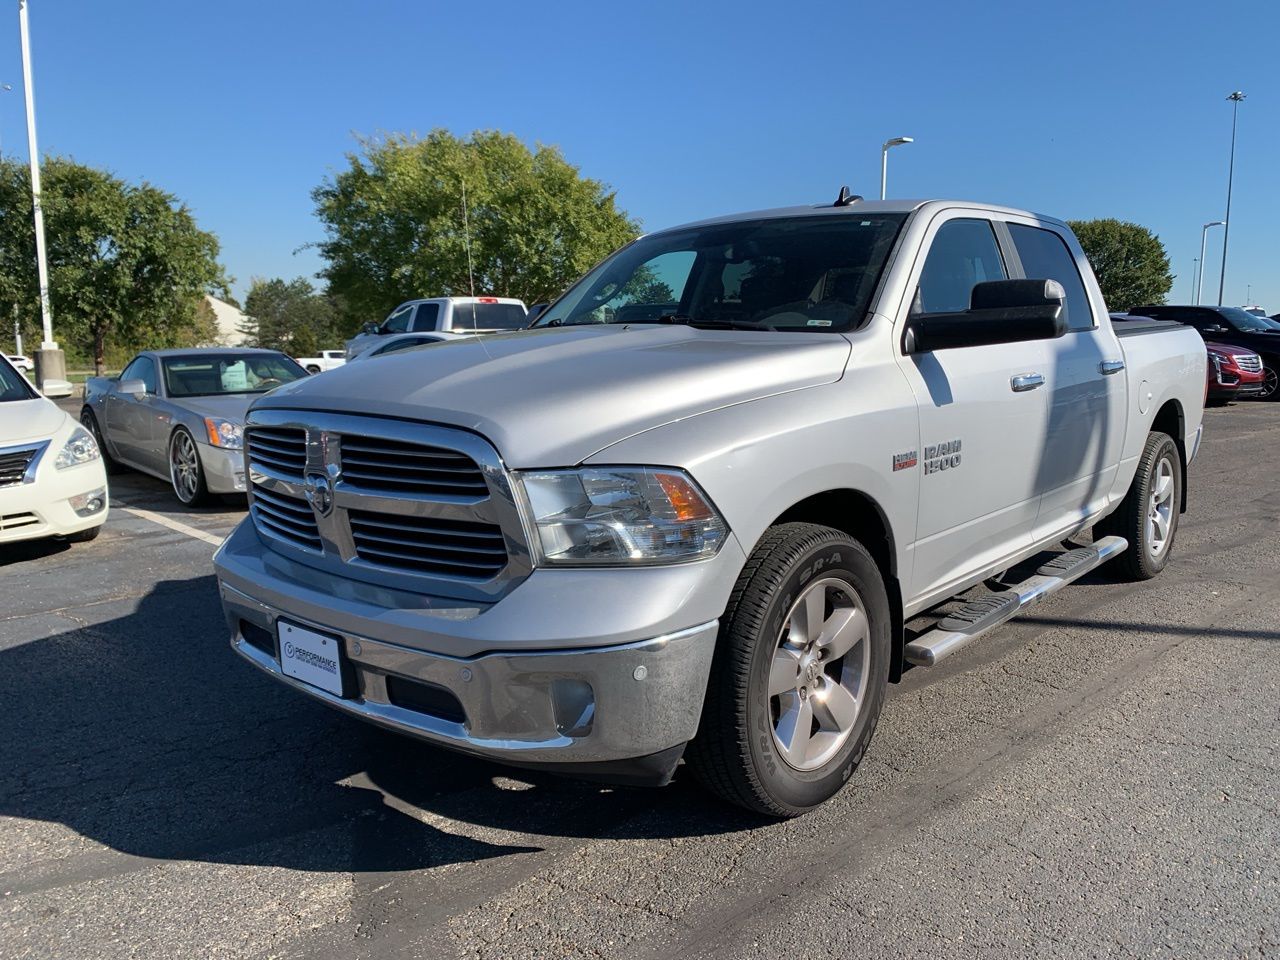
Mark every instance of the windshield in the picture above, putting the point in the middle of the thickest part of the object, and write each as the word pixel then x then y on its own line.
pixel 13 385
pixel 211 374
pixel 1243 320
pixel 798 273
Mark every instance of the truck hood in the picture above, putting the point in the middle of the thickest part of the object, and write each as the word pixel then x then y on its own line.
pixel 23 420
pixel 553 397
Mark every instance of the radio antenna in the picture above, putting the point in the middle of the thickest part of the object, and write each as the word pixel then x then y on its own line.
pixel 466 236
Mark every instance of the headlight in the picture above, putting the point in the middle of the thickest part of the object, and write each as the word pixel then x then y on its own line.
pixel 224 433
pixel 619 515
pixel 79 448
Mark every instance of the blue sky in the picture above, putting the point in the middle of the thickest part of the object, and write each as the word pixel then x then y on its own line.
pixel 1077 109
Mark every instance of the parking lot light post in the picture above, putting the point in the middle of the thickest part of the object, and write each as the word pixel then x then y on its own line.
pixel 50 362
pixel 1235 99
pixel 1204 231
pixel 4 88
pixel 1195 272
pixel 884 160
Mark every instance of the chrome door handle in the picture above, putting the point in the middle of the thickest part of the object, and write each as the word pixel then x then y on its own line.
pixel 1108 367
pixel 1026 381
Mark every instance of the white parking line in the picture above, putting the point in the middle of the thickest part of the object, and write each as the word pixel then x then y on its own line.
pixel 171 524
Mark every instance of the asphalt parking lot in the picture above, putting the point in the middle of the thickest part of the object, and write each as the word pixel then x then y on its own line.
pixel 1097 779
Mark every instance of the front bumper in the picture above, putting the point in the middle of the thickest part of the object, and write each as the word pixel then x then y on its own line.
pixel 223 468
pixel 29 511
pixel 590 699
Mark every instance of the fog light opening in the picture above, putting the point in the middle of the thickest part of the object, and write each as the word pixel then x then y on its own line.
pixel 87 504
pixel 575 707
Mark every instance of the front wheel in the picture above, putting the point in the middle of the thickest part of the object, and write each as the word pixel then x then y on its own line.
pixel 1270 380
pixel 312 369
pixel 1148 515
pixel 799 674
pixel 186 473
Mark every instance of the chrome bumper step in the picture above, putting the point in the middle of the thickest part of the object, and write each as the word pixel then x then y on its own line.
pixel 986 613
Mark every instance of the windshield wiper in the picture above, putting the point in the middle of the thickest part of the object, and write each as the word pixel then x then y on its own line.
pixel 687 320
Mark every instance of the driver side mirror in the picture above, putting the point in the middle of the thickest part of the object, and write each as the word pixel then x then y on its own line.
pixel 132 388
pixel 1000 311
pixel 57 389
pixel 369 328
pixel 1215 328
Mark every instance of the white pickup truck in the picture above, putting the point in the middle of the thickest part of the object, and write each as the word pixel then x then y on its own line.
pixel 715 500
pixel 328 360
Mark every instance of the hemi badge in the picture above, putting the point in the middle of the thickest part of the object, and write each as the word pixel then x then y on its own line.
pixel 904 461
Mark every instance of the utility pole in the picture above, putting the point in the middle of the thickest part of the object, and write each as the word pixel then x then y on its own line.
pixel 51 364
pixel 1235 99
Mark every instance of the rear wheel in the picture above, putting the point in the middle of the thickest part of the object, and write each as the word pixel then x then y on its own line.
pixel 1148 515
pixel 799 675
pixel 186 473
pixel 312 369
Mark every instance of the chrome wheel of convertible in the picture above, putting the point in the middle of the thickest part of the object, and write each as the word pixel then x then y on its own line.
pixel 185 472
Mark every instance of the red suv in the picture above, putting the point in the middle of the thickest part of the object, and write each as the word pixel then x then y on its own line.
pixel 1234 373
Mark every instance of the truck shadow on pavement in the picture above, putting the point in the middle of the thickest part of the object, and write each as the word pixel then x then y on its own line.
pixel 146 734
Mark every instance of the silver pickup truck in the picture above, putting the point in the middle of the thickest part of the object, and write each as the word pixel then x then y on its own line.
pixel 727 488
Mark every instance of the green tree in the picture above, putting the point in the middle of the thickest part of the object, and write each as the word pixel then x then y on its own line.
pixel 288 315
pixel 396 227
pixel 127 264
pixel 1129 261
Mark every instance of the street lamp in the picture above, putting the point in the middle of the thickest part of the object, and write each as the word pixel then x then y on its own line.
pixel 1195 270
pixel 1235 99
pixel 884 159
pixel 1204 232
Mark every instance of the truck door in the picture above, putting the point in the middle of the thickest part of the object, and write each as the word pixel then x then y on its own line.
pixel 1086 387
pixel 982 418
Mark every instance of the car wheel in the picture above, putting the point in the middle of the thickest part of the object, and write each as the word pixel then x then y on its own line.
pixel 799 673
pixel 1270 380
pixel 1148 515
pixel 185 470
pixel 84 536
pixel 312 369
pixel 90 423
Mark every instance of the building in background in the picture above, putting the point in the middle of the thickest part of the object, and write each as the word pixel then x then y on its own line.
pixel 228 320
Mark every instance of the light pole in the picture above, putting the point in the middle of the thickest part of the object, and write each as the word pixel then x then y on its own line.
pixel 1204 232
pixel 1195 270
pixel 1235 99
pixel 884 159
pixel 50 362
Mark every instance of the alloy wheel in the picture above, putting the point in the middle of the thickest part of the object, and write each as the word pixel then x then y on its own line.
pixel 184 466
pixel 819 674
pixel 1160 508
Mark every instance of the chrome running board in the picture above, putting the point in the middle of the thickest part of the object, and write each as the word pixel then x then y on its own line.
pixel 986 613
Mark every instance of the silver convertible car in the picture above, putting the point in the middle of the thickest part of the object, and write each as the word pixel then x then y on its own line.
pixel 179 414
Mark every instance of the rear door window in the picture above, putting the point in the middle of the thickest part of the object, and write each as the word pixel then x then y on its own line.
pixel 427 317
pixel 1045 256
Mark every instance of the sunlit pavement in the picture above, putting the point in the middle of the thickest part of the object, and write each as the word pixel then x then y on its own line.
pixel 1096 779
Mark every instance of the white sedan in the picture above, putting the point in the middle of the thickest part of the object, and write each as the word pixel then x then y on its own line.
pixel 52 481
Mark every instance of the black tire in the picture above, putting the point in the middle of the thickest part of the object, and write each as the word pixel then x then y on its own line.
pixel 84 536
pixel 1143 560
pixel 90 423
pixel 312 369
pixel 736 753
pixel 1270 379
pixel 190 488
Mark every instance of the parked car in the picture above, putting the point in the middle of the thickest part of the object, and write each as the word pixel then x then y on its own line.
pixel 1233 326
pixel 23 364
pixel 327 360
pixel 608 542
pixel 444 314
pixel 52 483
pixel 1235 373
pixel 179 414
pixel 407 341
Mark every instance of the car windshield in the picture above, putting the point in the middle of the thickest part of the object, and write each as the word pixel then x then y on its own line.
pixel 814 273
pixel 211 374
pixel 1243 320
pixel 13 385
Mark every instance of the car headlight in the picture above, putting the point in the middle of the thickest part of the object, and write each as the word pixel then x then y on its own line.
pixel 224 433
pixel 79 448
pixel 619 516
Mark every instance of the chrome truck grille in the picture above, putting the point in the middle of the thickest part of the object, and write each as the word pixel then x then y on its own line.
pixel 416 506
